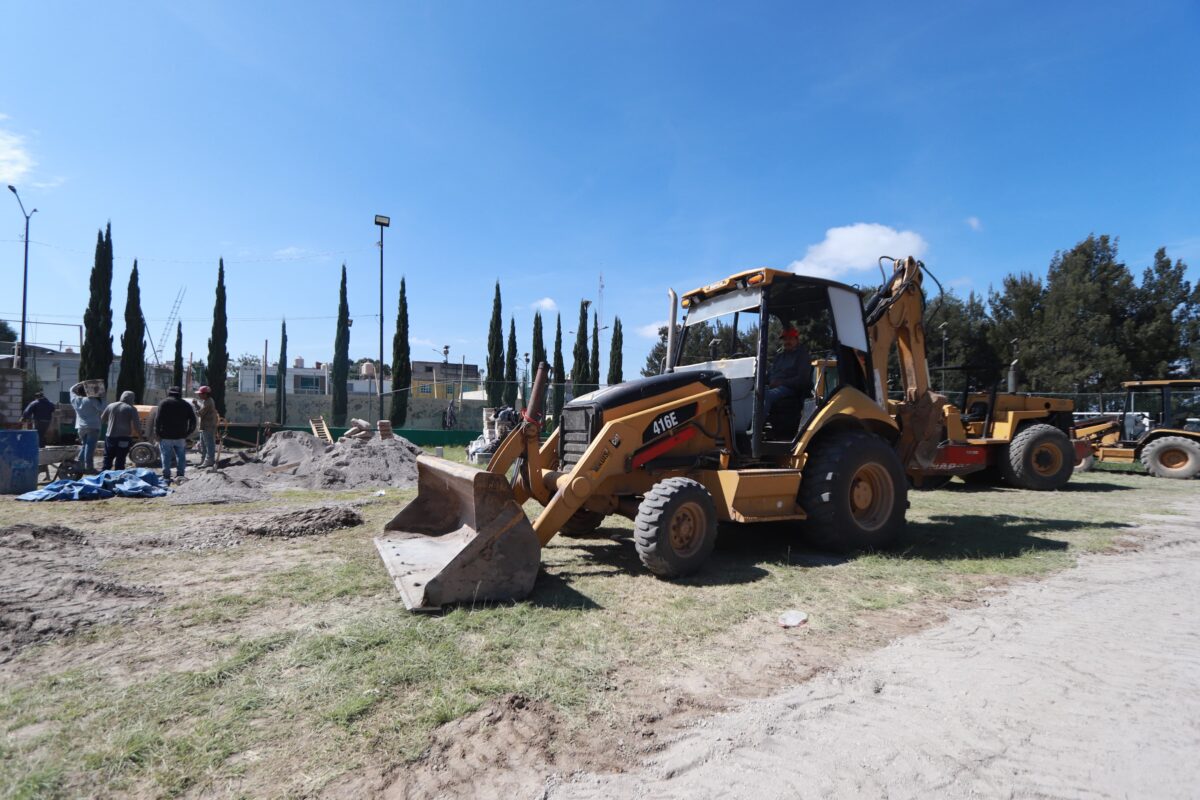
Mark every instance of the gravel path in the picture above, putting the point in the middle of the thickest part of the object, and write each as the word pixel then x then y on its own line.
pixel 1086 684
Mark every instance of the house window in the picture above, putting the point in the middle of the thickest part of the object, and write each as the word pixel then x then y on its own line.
pixel 426 388
pixel 450 390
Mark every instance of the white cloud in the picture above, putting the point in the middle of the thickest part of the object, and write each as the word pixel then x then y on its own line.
pixel 851 248
pixel 15 161
pixel 545 304
pixel 974 223
pixel 291 253
pixel 53 183
pixel 651 331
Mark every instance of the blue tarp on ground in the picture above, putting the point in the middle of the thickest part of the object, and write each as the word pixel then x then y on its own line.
pixel 111 483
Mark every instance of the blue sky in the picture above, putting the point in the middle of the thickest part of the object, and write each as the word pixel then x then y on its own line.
pixel 542 144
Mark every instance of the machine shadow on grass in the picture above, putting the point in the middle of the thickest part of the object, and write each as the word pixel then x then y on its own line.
pixel 974 536
pixel 1070 486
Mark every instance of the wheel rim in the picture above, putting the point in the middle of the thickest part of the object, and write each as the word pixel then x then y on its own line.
pixel 1173 458
pixel 1047 460
pixel 871 496
pixel 686 531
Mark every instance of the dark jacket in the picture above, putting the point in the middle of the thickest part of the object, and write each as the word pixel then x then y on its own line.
pixel 40 409
pixel 175 419
pixel 793 370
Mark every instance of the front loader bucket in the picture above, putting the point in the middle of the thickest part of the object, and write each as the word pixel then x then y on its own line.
pixel 464 538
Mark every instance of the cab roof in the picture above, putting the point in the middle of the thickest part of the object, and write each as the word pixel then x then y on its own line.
pixel 768 276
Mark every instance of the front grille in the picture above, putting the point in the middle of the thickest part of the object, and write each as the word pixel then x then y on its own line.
pixel 575 434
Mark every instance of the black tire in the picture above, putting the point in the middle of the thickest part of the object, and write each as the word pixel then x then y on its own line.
pixel 143 454
pixel 582 523
pixel 1172 457
pixel 854 491
pixel 676 527
pixel 1040 457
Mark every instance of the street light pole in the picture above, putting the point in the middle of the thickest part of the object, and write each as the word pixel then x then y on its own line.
pixel 20 364
pixel 382 222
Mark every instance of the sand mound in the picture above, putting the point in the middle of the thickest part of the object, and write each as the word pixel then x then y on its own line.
pixel 218 487
pixel 50 586
pixel 349 464
pixel 291 447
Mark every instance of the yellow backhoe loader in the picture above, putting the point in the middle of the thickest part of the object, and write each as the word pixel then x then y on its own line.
pixel 677 453
pixel 1159 426
pixel 1020 439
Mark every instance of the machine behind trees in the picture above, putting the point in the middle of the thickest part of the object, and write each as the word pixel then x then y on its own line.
pixel 1159 426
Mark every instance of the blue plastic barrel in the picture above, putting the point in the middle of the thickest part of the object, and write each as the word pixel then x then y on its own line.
pixel 18 461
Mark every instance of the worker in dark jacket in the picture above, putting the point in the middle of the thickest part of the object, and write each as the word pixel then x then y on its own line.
pixel 40 410
pixel 174 423
pixel 791 372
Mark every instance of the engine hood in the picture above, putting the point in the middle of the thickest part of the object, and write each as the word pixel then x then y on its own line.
pixel 641 388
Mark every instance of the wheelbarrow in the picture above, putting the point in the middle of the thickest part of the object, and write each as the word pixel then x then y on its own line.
pixel 65 459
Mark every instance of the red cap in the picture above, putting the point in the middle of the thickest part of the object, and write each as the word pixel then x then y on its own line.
pixel 204 390
pixel 790 333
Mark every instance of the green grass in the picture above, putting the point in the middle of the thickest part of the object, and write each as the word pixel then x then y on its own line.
pixel 313 662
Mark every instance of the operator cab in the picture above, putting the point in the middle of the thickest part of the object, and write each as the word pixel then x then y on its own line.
pixel 723 331
pixel 1152 405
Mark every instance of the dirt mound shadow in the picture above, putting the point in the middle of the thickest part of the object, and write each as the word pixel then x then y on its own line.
pixel 51 586
pixel 303 522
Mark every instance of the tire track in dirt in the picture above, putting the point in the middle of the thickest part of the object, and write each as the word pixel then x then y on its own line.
pixel 1086 684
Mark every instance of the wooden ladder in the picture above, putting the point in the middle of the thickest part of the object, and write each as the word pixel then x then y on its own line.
pixel 320 429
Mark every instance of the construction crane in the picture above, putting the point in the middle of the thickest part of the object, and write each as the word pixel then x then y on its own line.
pixel 171 318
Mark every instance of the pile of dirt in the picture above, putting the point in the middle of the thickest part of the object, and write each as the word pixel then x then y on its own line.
pixel 304 522
pixel 301 460
pixel 51 586
pixel 218 487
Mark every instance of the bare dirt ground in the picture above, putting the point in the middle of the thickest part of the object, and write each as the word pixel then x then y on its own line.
pixel 1086 684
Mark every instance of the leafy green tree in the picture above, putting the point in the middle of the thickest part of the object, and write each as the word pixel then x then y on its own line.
pixel 401 363
pixel 494 382
pixel 1087 324
pixel 1016 313
pixel 132 376
pixel 559 382
pixel 594 380
pixel 281 377
pixel 614 354
pixel 510 366
pixel 177 372
pixel 1161 315
pixel 581 367
pixel 340 371
pixel 199 372
pixel 7 334
pixel 96 354
pixel 218 343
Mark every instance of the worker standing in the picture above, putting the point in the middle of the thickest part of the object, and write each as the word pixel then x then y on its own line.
pixel 41 411
pixel 208 427
pixel 123 425
pixel 174 423
pixel 87 424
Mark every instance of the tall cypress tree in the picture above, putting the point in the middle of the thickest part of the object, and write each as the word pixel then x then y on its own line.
pixel 341 357
pixel 177 373
pixel 595 379
pixel 581 366
pixel 96 354
pixel 132 376
pixel 218 353
pixel 401 363
pixel 281 377
pixel 510 366
pixel 614 354
pixel 494 383
pixel 538 351
pixel 559 395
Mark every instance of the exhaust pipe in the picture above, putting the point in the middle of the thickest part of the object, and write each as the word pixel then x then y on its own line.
pixel 670 362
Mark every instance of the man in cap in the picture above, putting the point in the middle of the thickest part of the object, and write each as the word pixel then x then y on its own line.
pixel 791 371
pixel 208 427
pixel 173 424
